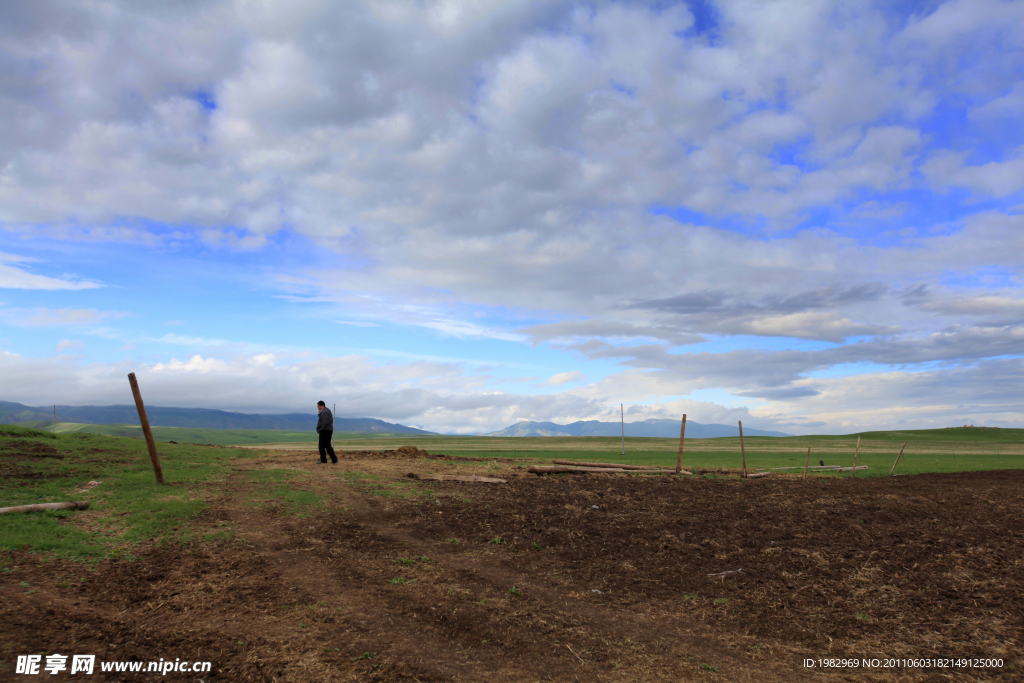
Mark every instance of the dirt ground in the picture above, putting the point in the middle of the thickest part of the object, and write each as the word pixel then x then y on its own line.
pixel 564 578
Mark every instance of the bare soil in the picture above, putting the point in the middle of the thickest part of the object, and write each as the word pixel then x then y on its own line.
pixel 566 578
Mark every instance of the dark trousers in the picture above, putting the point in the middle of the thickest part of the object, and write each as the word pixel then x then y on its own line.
pixel 325 447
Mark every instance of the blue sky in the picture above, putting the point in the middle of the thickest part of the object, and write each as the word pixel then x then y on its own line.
pixel 805 215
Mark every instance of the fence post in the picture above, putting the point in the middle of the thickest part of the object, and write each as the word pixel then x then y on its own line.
pixel 146 431
pixel 853 472
pixel 682 433
pixel 743 451
pixel 898 458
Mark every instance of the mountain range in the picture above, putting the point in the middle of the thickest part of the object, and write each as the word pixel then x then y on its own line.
pixel 657 428
pixel 193 417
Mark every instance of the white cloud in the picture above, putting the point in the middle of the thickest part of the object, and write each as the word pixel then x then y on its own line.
pixel 16 277
pixel 56 317
pixel 65 344
pixel 357 323
pixel 997 178
pixel 511 157
pixel 563 378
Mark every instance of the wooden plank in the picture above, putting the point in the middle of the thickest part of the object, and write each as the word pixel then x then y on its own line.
pixel 566 469
pixel 39 507
pixel 574 463
pixel 456 477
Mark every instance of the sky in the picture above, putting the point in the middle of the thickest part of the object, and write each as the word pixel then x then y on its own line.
pixel 802 214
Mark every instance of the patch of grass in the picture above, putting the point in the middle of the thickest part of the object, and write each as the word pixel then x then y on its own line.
pixel 721 601
pixel 497 540
pixel 709 667
pixel 298 501
pixel 401 581
pixel 365 655
pixel 127 507
pixel 690 596
pixel 865 617
pixel 515 591
pixel 403 560
pixel 453 541
pixel 274 475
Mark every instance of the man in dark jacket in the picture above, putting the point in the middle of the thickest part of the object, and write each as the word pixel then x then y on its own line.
pixel 325 428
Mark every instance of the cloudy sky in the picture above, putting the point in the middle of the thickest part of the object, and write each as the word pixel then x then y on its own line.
pixel 804 214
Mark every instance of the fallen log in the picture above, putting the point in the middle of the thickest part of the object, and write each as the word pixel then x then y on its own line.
pixel 40 507
pixel 455 477
pixel 573 463
pixel 566 469
pixel 851 469
pixel 815 467
pixel 758 474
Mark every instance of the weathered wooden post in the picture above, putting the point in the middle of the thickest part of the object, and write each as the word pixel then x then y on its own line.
pixel 807 462
pixel 897 459
pixel 853 472
pixel 147 432
pixel 622 419
pixel 743 451
pixel 682 433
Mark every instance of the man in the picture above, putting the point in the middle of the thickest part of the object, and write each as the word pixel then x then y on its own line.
pixel 325 428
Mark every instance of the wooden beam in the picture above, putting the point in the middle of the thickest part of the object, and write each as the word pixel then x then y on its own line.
pixel 78 505
pixel 566 469
pixel 455 477
pixel 574 463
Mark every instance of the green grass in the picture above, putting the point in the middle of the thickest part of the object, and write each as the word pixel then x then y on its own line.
pixel 934 450
pixel 375 485
pixel 128 506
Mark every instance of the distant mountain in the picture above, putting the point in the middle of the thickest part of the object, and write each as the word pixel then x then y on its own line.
pixel 656 428
pixel 193 417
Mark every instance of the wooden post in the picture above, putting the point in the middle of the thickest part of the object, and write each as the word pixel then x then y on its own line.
pixel 682 433
pixel 807 462
pixel 622 417
pixel 743 451
pixel 147 432
pixel 853 472
pixel 898 458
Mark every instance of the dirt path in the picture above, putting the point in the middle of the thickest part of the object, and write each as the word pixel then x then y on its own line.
pixel 552 579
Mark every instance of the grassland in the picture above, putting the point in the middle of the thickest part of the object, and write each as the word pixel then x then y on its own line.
pixel 936 450
pixel 127 506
